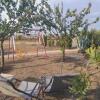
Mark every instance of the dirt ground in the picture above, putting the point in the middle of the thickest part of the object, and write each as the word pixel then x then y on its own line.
pixel 30 67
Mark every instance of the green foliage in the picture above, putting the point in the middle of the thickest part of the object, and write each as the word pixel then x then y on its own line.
pixel 62 22
pixel 50 42
pixel 71 24
pixel 79 28
pixel 88 38
pixel 27 13
pixel 85 40
pixel 45 40
pixel 7 26
pixel 65 42
pixel 93 54
pixel 95 37
pixel 44 19
pixel 69 42
pixel 80 85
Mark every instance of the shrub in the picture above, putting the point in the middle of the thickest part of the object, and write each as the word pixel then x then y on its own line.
pixel 80 86
pixel 87 39
pixel 93 54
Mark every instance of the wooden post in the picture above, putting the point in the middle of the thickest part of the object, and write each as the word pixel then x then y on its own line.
pixel 37 52
pixel 13 47
pixel 9 48
pixel 13 54
pixel 45 52
pixel 38 41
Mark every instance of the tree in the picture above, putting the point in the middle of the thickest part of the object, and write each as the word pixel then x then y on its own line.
pixel 62 22
pixel 93 51
pixel 95 37
pixel 71 24
pixel 80 27
pixel 34 14
pixel 66 25
pixel 20 16
pixel 7 26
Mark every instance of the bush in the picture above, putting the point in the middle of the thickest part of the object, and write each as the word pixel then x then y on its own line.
pixel 80 86
pixel 88 39
pixel 93 54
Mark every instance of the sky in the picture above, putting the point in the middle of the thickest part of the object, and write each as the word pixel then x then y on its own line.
pixel 79 5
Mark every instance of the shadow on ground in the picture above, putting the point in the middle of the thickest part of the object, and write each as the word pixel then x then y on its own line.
pixel 71 59
pixel 58 96
pixel 31 79
pixel 94 93
pixel 20 61
pixel 7 68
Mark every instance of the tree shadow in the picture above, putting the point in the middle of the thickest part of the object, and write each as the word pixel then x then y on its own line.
pixel 72 59
pixel 33 66
pixel 20 61
pixel 6 52
pixel 95 93
pixel 42 57
pixel 59 95
pixel 7 69
pixel 56 95
pixel 10 65
pixel 76 60
pixel 97 96
pixel 31 79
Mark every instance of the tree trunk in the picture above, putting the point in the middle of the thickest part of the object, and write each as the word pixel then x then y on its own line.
pixel 2 56
pixel 77 42
pixel 63 52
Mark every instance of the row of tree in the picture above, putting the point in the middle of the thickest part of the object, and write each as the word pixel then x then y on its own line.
pixel 19 15
pixel 26 13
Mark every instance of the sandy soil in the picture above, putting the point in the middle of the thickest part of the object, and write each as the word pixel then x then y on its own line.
pixel 30 67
